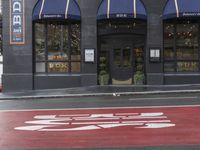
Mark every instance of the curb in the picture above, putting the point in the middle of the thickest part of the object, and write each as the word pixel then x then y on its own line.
pixel 98 94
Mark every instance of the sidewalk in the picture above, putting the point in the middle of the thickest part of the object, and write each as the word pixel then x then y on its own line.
pixel 109 90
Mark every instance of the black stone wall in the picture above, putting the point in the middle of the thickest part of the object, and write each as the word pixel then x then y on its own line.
pixel 17 63
pixel 154 8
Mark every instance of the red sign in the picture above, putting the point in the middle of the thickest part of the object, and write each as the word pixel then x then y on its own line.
pixel 107 127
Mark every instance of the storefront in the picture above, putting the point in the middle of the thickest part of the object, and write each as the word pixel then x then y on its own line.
pixel 72 43
pixel 181 42
pixel 121 42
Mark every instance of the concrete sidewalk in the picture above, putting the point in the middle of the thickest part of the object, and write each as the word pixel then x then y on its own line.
pixel 109 90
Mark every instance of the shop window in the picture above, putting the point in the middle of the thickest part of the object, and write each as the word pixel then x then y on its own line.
pixel 181 47
pixel 57 48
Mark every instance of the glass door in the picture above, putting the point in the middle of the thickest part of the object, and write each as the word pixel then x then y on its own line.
pixel 122 64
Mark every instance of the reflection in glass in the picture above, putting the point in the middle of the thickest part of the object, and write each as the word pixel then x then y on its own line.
pixel 169 42
pixel 139 63
pixel 117 57
pixel 65 42
pixel 75 42
pixel 169 54
pixel 54 42
pixel 57 46
pixel 39 42
pixel 169 34
pixel 181 49
pixel 187 53
pixel 187 41
pixel 187 35
pixel 127 57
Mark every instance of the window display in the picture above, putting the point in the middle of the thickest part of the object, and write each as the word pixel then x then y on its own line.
pixel 181 46
pixel 39 42
pixel 57 47
pixel 187 66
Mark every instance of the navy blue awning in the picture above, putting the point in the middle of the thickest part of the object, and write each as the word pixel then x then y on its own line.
pixel 111 9
pixel 181 8
pixel 56 9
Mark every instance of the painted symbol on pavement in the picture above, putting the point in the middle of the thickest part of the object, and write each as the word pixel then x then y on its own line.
pixel 82 122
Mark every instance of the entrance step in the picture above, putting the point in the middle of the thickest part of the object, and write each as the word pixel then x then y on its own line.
pixel 120 82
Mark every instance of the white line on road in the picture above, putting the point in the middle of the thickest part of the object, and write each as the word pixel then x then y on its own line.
pixel 1 101
pixel 161 98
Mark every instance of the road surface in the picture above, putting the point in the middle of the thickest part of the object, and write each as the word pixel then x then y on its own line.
pixel 153 122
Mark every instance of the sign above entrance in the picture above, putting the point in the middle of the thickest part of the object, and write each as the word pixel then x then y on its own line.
pixel 17 25
pixel 112 9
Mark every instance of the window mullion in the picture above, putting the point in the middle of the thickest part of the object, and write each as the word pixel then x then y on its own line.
pixel 46 47
pixel 62 39
pixel 175 51
pixel 69 40
pixel 199 45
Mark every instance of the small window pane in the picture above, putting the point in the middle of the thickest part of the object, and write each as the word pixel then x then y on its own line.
pixel 66 42
pixel 75 67
pixel 117 57
pixel 127 57
pixel 75 42
pixel 1 48
pixel 58 67
pixel 187 41
pixel 40 67
pixel 169 35
pixel 187 35
pixel 187 53
pixel 187 66
pixel 39 42
pixel 55 51
pixel 63 46
pixel 169 67
pixel 169 41
pixel 169 54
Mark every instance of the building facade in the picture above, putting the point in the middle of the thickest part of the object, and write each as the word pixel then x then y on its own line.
pixel 72 43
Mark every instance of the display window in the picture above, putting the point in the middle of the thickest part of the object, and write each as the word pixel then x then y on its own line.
pixel 57 47
pixel 181 46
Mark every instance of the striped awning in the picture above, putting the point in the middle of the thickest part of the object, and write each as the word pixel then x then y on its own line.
pixel 181 9
pixel 56 10
pixel 111 9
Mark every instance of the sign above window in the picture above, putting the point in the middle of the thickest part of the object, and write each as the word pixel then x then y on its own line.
pixel 17 25
pixel 121 15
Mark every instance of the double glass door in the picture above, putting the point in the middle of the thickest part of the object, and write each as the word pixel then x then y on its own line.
pixel 122 63
pixel 124 57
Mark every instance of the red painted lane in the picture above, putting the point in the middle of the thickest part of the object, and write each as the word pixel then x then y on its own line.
pixel 185 132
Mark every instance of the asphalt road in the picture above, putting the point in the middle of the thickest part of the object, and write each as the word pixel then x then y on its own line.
pixel 116 101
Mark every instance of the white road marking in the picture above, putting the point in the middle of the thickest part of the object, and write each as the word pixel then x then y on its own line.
pixel 157 98
pixel 1 101
pixel 55 122
pixel 123 122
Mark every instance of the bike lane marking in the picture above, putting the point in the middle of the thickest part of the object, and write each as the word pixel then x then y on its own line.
pixel 107 127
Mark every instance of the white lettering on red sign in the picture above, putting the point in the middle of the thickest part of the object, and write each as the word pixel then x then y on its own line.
pixel 83 122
